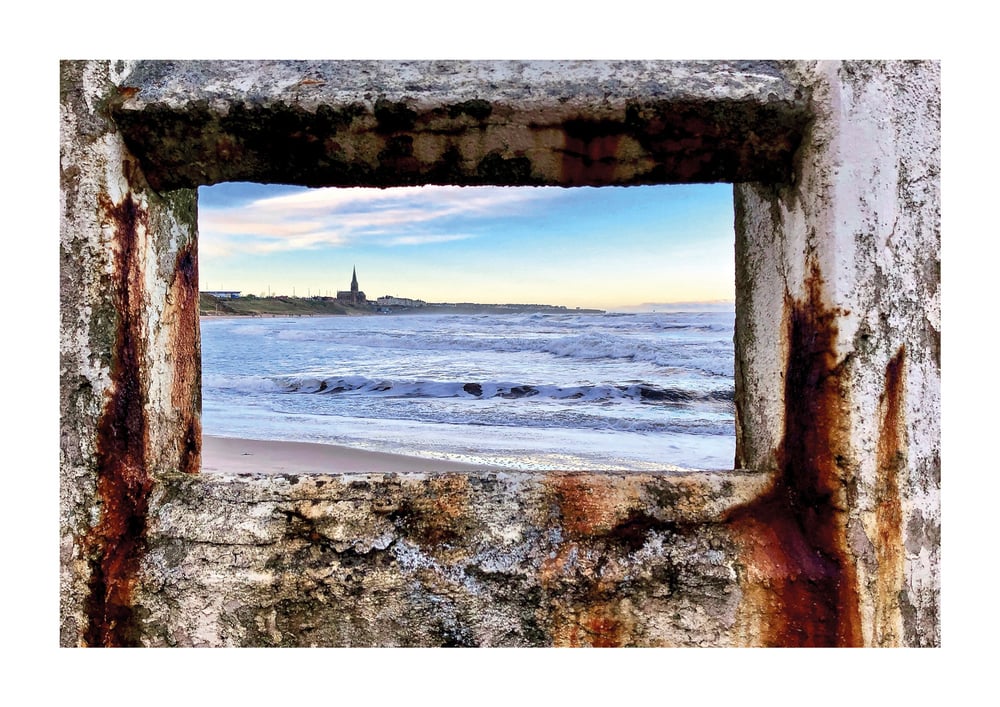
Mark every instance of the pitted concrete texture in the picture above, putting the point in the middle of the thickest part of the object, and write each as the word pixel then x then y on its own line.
pixel 575 84
pixel 849 255
pixel 509 123
pixel 130 385
pixel 487 559
pixel 827 534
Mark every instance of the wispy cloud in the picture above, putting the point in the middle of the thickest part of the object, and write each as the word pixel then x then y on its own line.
pixel 333 217
pixel 421 240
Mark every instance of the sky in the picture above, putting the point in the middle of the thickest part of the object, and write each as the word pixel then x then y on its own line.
pixel 609 248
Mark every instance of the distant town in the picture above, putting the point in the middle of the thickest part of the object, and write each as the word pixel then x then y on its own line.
pixel 352 301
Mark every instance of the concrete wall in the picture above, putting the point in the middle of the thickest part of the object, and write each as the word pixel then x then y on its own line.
pixel 828 535
pixel 842 263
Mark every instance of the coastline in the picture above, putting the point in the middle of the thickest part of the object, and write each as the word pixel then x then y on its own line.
pixel 250 456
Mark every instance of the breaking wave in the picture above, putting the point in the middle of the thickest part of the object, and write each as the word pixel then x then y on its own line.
pixel 360 385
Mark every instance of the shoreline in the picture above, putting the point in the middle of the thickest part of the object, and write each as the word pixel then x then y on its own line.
pixel 232 455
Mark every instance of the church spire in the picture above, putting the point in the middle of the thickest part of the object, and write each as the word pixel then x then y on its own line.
pixel 354 280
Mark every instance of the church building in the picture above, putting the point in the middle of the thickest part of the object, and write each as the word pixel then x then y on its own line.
pixel 354 296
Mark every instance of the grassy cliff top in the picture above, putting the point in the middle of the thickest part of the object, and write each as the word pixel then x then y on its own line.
pixel 251 305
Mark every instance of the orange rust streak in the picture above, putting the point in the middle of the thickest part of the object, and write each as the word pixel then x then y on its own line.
pixel 591 508
pixel 801 577
pixel 601 625
pixel 594 505
pixel 604 627
pixel 115 546
pixel 889 512
pixel 590 160
pixel 185 392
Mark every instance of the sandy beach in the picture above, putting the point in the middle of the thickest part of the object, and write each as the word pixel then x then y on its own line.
pixel 230 455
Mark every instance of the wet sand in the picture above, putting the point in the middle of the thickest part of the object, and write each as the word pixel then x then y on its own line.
pixel 240 456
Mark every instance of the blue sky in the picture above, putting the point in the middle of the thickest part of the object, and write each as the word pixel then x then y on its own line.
pixel 610 247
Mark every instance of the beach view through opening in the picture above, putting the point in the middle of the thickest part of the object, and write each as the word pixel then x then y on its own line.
pixel 531 328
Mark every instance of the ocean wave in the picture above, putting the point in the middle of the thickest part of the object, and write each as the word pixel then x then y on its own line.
pixel 551 382
pixel 640 392
pixel 595 346
pixel 709 356
pixel 549 419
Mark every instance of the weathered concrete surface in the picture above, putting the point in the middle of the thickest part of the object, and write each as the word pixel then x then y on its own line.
pixel 494 559
pixel 843 266
pixel 365 123
pixel 130 382
pixel 833 536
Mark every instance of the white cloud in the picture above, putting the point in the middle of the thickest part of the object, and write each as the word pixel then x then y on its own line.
pixel 421 240
pixel 331 217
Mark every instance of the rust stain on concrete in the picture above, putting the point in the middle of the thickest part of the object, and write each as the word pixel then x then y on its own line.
pixel 592 505
pixel 440 513
pixel 604 628
pixel 600 626
pixel 185 392
pixel 889 512
pixel 801 584
pixel 116 544
pixel 595 513
pixel 590 152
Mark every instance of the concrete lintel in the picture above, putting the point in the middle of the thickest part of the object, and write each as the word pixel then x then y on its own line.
pixel 372 123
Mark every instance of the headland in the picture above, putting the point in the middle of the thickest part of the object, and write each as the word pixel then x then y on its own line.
pixel 284 306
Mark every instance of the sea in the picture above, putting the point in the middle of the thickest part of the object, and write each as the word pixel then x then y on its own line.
pixel 561 390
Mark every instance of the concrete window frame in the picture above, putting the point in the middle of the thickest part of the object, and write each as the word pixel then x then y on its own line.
pixel 828 439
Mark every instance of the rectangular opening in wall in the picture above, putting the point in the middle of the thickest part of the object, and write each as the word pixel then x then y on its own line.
pixel 527 328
